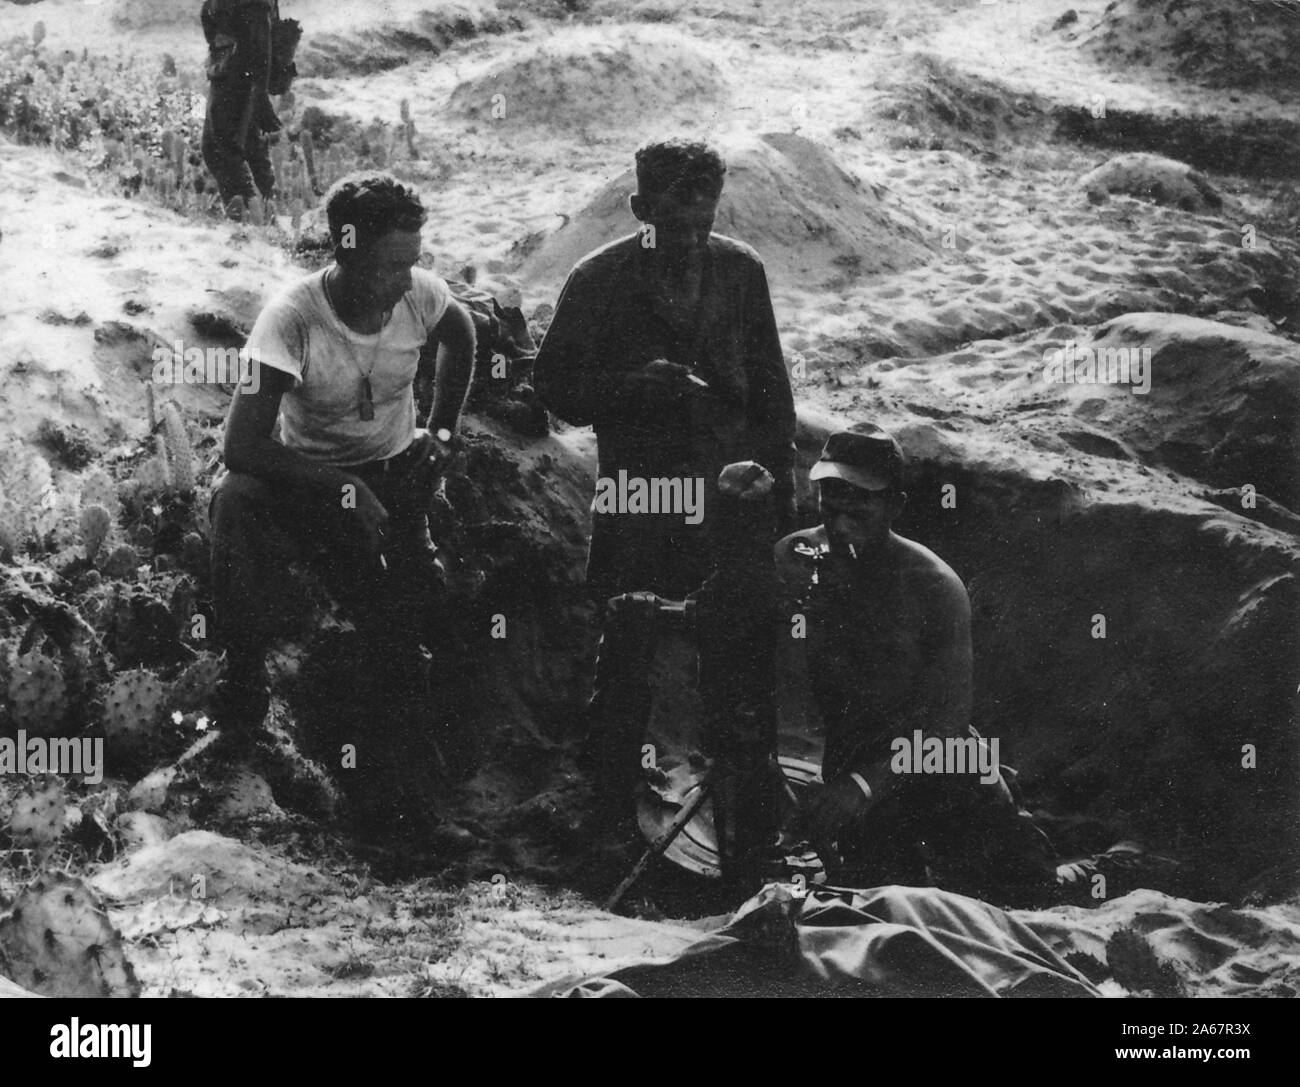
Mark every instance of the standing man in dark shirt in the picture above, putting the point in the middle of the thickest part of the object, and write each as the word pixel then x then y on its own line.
pixel 666 343
pixel 240 119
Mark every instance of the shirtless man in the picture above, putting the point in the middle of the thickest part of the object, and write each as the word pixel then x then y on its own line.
pixel 889 652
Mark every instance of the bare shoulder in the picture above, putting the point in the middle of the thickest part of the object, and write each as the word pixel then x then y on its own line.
pixel 931 579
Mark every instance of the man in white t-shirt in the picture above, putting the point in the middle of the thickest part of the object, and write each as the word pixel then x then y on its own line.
pixel 334 358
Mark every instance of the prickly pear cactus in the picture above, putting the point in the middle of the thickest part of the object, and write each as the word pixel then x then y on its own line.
pixel 309 157
pixel 196 687
pixel 194 553
pixel 152 475
pixel 54 521
pixel 58 941
pixel 133 709
pixel 38 695
pixel 95 524
pixel 38 818
pixel 98 489
pixel 26 494
pixel 180 454
pixel 123 561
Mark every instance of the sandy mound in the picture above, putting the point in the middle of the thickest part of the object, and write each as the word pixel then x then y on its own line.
pixel 937 105
pixel 1223 407
pixel 358 48
pixel 1218 42
pixel 233 872
pixel 1155 178
pixel 787 197
pixel 592 78
pixel 137 14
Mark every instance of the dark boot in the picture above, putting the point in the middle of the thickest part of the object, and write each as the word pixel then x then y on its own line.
pixel 239 708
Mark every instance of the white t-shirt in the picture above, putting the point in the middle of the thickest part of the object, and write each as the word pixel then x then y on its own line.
pixel 299 334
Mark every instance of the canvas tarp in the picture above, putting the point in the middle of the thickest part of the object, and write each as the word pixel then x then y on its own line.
pixel 886 941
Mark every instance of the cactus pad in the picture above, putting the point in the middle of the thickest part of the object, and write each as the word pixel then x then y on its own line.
pixel 197 686
pixel 58 941
pixel 95 524
pixel 98 489
pixel 122 561
pixel 37 820
pixel 133 708
pixel 38 694
pixel 180 455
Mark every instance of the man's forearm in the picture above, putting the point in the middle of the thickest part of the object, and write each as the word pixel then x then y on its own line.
pixel 454 372
pixel 275 463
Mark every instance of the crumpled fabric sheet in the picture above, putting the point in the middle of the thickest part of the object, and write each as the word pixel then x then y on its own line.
pixel 886 941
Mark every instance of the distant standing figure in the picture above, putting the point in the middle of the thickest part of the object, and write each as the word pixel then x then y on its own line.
pixel 240 120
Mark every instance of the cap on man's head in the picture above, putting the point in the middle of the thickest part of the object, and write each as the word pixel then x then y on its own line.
pixel 864 455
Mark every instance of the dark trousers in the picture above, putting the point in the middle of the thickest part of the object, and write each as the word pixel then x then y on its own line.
pixel 235 148
pixel 953 832
pixel 259 528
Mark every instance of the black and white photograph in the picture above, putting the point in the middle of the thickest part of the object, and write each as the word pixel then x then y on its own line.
pixel 650 498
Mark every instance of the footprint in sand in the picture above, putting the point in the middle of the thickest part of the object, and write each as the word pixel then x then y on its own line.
pixel 1194 236
pixel 1093 274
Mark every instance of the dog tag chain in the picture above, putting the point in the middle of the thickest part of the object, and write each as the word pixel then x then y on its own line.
pixel 366 404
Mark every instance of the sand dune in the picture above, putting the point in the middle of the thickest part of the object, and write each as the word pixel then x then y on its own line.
pixel 786 196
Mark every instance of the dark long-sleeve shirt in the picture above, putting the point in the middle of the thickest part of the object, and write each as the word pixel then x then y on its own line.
pixel 239 34
pixel 609 322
